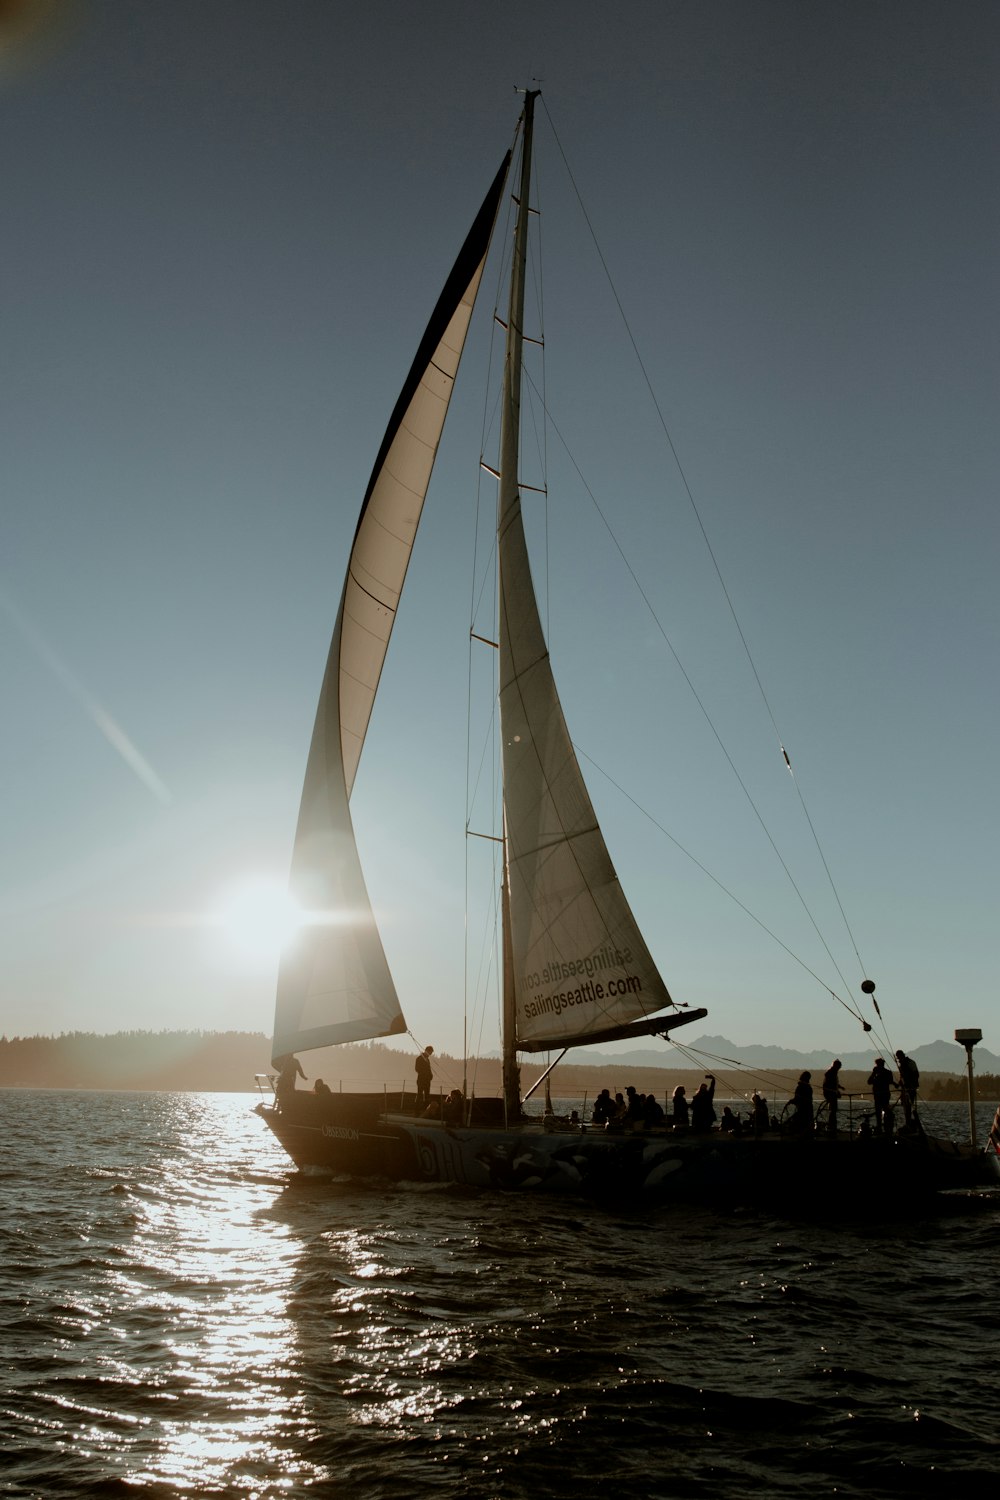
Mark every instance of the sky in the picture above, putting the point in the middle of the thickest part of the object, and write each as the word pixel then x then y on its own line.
pixel 225 227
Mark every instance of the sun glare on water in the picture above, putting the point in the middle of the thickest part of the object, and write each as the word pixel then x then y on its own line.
pixel 259 918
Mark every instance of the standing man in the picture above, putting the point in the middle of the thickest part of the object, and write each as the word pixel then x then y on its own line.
pixel 909 1082
pixel 880 1083
pixel 831 1093
pixel 802 1106
pixel 289 1069
pixel 422 1068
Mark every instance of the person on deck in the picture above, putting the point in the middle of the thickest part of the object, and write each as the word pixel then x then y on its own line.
pixel 653 1111
pixel 424 1071
pixel 453 1108
pixel 909 1082
pixel 832 1091
pixel 679 1108
pixel 319 1087
pixel 802 1106
pixel 633 1106
pixel 289 1068
pixel 603 1108
pixel 880 1083
pixel 702 1111
pixel 760 1117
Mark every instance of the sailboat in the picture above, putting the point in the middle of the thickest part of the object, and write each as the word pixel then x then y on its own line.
pixel 576 967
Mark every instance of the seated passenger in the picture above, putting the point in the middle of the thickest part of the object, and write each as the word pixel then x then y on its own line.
pixel 603 1108
pixel 453 1108
pixel 653 1111
pixel 759 1117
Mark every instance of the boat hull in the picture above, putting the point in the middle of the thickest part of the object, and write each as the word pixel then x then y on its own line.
pixel 356 1136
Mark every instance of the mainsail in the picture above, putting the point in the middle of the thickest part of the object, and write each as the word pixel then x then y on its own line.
pixel 334 984
pixel 581 968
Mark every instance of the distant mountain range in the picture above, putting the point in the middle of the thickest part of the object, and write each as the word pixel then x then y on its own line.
pixel 934 1057
pixel 229 1061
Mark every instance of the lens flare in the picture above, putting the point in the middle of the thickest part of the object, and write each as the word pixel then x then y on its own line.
pixel 259 917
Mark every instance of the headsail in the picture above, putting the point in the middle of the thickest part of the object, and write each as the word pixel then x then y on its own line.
pixel 581 966
pixel 395 496
pixel 334 983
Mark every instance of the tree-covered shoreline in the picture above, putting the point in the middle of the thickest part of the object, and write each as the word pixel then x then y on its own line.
pixel 227 1062
pixel 166 1060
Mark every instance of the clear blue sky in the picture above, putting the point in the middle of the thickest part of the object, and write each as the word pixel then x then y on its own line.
pixel 224 228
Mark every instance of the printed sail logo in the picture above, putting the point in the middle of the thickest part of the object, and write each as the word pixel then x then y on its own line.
pixel 589 993
pixel 573 968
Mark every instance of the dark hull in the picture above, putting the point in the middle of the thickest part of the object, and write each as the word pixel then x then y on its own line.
pixel 356 1136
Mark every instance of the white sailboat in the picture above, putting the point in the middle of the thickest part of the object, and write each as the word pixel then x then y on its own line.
pixel 576 966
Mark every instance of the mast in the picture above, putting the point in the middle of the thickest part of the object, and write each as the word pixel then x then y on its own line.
pixel 510 433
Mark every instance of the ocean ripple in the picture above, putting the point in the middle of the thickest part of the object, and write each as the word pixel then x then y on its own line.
pixel 180 1319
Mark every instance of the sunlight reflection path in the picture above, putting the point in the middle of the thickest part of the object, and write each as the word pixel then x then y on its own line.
pixel 211 1271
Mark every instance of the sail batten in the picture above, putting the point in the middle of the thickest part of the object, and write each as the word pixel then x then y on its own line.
pixel 334 983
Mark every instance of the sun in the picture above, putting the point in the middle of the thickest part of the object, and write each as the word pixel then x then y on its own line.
pixel 259 917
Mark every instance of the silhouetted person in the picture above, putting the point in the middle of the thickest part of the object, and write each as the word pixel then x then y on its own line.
pixel 760 1119
pixel 289 1068
pixel 680 1110
pixel 802 1106
pixel 702 1111
pixel 653 1111
pixel 319 1087
pixel 633 1106
pixel 422 1068
pixel 909 1082
pixel 831 1093
pixel 880 1083
pixel 603 1108
pixel 453 1108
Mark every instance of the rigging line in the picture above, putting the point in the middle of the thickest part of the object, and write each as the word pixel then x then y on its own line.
pixel 489 736
pixel 697 698
pixel 819 849
pixel 768 1076
pixel 487 958
pixel 775 1085
pixel 690 1051
pixel 701 527
pixel 715 881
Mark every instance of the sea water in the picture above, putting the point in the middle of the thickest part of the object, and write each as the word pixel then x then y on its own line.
pixel 177 1318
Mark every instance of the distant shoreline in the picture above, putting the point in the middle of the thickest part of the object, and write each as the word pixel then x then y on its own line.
pixel 227 1062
